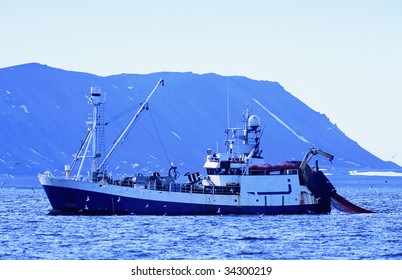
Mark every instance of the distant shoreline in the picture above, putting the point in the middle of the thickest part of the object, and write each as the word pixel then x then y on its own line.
pixel 375 173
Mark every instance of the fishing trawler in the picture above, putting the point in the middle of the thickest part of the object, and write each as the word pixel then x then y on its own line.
pixel 236 182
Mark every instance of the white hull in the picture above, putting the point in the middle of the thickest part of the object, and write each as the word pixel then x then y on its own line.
pixel 275 195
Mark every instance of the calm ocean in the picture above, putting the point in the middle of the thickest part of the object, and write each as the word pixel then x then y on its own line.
pixel 28 233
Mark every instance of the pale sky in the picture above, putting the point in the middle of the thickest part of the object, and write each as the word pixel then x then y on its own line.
pixel 342 58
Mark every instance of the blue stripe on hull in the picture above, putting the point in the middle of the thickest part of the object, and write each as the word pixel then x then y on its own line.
pixel 69 201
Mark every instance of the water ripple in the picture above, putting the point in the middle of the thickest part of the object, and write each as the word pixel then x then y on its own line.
pixel 26 232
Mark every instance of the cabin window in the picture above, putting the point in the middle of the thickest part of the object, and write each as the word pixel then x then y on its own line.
pixel 224 171
pixel 235 171
pixel 213 171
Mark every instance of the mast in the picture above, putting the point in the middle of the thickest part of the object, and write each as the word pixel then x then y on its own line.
pixel 96 101
pixel 92 137
pixel 120 139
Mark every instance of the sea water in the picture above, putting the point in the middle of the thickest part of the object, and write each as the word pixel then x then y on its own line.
pixel 28 233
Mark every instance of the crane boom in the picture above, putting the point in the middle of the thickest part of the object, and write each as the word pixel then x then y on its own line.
pixel 310 153
pixel 126 130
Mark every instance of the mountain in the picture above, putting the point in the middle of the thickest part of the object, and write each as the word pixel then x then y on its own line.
pixel 43 112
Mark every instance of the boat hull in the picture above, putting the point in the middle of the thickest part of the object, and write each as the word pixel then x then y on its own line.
pixel 94 199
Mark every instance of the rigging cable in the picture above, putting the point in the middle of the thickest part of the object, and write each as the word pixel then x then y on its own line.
pixel 123 113
pixel 118 116
pixel 160 139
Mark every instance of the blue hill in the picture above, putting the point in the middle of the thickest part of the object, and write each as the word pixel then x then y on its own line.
pixel 43 112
